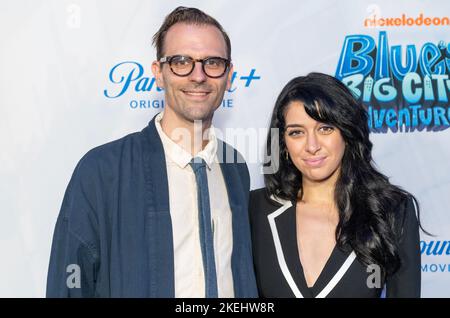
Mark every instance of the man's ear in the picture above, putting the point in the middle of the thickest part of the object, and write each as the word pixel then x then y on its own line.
pixel 230 76
pixel 157 73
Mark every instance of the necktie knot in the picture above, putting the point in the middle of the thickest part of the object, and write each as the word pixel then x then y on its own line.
pixel 197 163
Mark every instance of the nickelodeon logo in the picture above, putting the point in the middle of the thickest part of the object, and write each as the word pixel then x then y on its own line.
pixel 405 20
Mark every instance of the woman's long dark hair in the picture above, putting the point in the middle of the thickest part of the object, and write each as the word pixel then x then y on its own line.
pixel 367 202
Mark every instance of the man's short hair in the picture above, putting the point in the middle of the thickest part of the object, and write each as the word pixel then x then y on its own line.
pixel 188 16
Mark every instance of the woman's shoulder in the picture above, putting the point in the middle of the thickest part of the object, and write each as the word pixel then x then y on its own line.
pixel 258 197
pixel 405 205
pixel 406 213
pixel 263 196
pixel 261 201
pixel 260 193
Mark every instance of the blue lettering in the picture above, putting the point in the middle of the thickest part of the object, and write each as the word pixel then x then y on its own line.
pixel 145 104
pixel 439 115
pixel 357 51
pixel 428 88
pixel 368 87
pixel 429 55
pixel 250 77
pixel 391 119
pixel 426 120
pixel 382 62
pixel 352 82
pixel 352 60
pixel 228 103
pixel 379 117
pixel 143 84
pixel 428 249
pixel 369 120
pixel 398 69
pixel 435 268
pixel 404 118
pixel 414 114
pixel 440 83
pixel 410 95
pixel 233 77
pixel 130 78
pixel 384 93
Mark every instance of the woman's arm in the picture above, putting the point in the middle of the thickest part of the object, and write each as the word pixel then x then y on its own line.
pixel 405 283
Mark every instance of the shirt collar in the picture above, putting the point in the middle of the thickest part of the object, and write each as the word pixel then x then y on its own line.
pixel 180 156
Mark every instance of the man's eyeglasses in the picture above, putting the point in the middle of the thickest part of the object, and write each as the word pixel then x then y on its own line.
pixel 182 65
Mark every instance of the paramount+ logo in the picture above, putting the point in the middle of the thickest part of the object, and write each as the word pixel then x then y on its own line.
pixel 434 250
pixel 132 82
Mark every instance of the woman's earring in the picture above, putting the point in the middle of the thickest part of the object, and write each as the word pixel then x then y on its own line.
pixel 287 156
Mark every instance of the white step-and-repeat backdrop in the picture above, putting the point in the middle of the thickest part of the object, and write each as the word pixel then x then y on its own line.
pixel 76 74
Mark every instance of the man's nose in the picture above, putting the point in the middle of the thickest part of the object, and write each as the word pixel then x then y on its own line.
pixel 197 74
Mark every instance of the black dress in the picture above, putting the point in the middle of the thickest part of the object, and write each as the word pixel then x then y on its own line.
pixel 279 272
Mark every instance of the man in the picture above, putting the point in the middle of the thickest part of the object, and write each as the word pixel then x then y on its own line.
pixel 155 214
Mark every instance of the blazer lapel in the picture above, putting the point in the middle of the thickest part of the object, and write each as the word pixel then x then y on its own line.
pixel 335 268
pixel 283 228
pixel 159 225
pixel 287 232
pixel 284 233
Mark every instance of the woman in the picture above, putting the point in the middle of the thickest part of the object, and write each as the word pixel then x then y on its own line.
pixel 328 224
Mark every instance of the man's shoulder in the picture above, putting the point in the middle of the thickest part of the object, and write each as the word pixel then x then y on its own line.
pixel 113 148
pixel 111 154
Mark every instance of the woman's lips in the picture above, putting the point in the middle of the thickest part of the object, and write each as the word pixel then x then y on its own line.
pixel 315 162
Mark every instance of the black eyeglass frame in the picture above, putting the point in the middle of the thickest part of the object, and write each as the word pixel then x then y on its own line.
pixel 169 59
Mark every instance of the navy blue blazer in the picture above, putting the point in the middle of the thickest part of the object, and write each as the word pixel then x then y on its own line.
pixel 115 223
